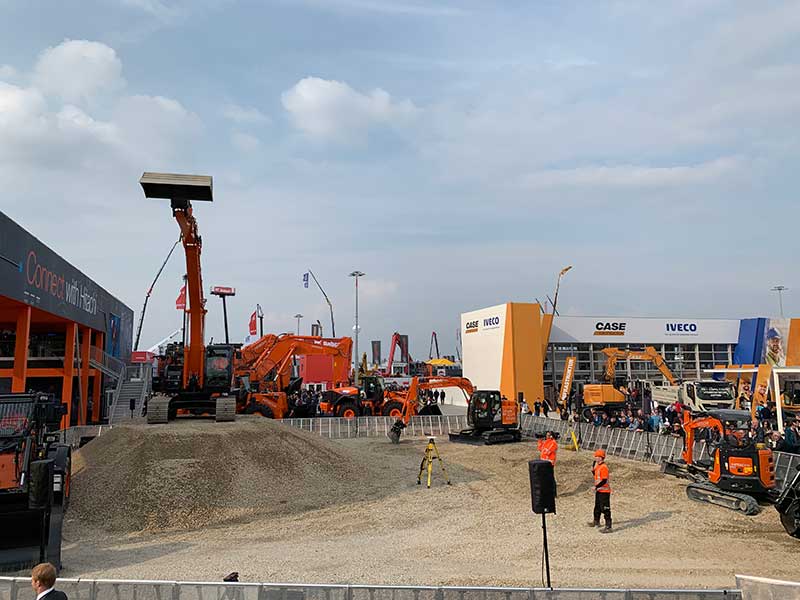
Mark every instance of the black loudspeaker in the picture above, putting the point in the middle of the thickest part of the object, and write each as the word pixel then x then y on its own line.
pixel 40 486
pixel 543 487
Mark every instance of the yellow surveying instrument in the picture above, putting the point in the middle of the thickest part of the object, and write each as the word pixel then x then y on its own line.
pixel 427 462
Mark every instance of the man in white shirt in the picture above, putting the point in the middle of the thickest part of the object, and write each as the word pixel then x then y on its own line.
pixel 43 581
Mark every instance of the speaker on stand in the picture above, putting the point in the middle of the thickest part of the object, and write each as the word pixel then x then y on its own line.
pixel 543 499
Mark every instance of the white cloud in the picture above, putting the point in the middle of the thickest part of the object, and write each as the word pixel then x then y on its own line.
pixel 78 71
pixel 332 109
pixel 244 114
pixel 630 176
pixel 245 142
pixel 7 72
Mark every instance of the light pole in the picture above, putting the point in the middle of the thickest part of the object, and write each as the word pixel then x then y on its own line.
pixel 780 289
pixel 298 316
pixel 356 275
pixel 558 284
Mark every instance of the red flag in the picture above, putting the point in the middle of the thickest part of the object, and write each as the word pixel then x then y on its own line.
pixel 253 323
pixel 180 301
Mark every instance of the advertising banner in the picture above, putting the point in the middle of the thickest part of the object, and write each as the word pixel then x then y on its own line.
pixel 566 380
pixel 781 346
pixel 628 330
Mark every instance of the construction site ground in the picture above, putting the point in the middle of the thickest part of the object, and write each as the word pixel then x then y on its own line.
pixel 195 500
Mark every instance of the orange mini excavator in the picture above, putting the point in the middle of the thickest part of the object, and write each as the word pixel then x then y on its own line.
pixel 405 404
pixel 738 473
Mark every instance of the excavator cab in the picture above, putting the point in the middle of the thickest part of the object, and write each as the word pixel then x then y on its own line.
pixel 492 419
pixel 219 367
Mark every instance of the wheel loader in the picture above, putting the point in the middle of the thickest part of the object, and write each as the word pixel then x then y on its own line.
pixel 34 480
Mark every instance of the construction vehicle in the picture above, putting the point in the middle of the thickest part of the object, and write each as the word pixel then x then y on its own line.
pixel 265 380
pixel 738 472
pixel 492 419
pixel 788 506
pixel 398 341
pixel 34 479
pixel 405 404
pixel 700 396
pixel 206 384
pixel 351 401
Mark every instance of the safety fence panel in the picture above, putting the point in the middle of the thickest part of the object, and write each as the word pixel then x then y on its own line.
pixel 19 588
pixel 340 428
pixel 641 445
pixel 761 588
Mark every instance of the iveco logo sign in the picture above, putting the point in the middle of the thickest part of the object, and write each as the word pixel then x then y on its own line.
pixel 491 322
pixel 609 328
pixel 681 328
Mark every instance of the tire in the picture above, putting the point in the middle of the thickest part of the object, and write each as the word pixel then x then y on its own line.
pixel 265 411
pixel 393 409
pixel 791 519
pixel 347 410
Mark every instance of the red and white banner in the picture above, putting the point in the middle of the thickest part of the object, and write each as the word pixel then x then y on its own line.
pixel 253 323
pixel 180 301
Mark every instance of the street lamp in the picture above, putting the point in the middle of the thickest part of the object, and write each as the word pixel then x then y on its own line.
pixel 780 289
pixel 298 316
pixel 558 284
pixel 356 274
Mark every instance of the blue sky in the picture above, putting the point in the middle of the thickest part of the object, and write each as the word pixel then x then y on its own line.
pixel 459 153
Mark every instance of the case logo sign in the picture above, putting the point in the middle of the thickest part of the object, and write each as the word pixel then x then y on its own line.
pixel 471 327
pixel 609 328
pixel 681 328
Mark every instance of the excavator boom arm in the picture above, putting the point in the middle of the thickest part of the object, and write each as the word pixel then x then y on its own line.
pixel 194 353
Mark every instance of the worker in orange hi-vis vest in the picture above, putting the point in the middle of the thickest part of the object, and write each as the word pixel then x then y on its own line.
pixel 548 447
pixel 602 491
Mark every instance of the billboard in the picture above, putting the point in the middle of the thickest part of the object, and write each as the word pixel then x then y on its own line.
pixel 33 274
pixel 781 343
pixel 638 330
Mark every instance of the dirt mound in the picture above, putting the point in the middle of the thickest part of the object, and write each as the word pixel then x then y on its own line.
pixel 195 474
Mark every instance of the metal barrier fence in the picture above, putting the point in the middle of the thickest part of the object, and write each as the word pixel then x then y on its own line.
pixel 18 588
pixel 336 428
pixel 640 445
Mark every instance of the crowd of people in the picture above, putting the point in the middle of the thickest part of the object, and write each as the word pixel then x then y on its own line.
pixel 669 421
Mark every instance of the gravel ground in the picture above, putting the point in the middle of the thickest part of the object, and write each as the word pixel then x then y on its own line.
pixel 195 500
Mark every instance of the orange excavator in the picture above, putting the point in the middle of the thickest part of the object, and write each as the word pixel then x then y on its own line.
pixel 405 404
pixel 265 378
pixel 604 395
pixel 739 471
pixel 206 384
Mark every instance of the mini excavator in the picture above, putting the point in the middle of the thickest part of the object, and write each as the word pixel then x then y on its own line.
pixel 408 403
pixel 492 419
pixel 739 471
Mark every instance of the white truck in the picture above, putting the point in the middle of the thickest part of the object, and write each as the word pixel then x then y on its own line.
pixel 702 395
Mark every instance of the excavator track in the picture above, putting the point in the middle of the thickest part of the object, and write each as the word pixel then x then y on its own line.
pixel 158 410
pixel 706 492
pixel 226 410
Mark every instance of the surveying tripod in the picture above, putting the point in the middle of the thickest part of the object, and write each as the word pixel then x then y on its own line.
pixel 427 462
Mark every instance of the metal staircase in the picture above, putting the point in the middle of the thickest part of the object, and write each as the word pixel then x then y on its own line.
pixel 134 385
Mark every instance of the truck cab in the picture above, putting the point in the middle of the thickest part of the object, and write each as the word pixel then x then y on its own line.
pixel 700 395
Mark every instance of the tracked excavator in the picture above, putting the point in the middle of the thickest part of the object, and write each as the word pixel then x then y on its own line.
pixel 739 472
pixel 265 378
pixel 492 419
pixel 405 404
pixel 206 382
pixel 35 473
pixel 604 396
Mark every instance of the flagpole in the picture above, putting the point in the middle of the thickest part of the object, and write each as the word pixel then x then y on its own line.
pixel 330 306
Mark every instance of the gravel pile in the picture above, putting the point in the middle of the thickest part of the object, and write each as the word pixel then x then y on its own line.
pixel 189 475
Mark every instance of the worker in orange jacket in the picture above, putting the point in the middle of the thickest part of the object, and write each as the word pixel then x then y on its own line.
pixel 602 491
pixel 548 448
